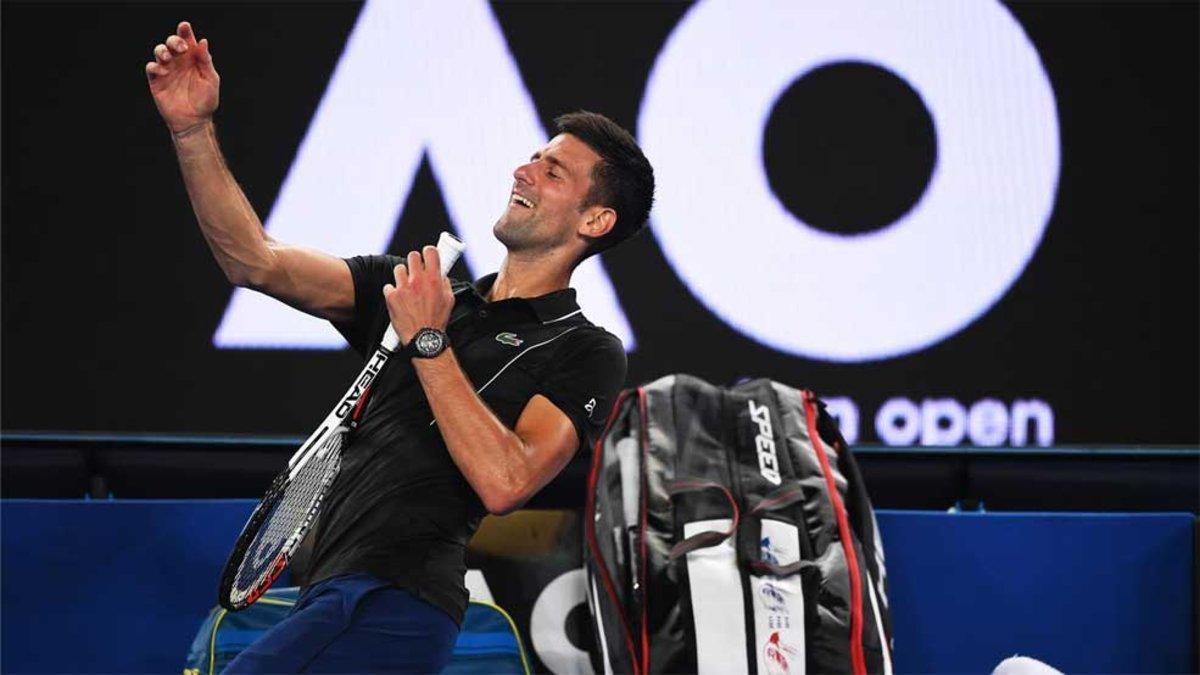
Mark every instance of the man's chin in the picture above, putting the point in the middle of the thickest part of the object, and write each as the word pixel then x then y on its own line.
pixel 510 233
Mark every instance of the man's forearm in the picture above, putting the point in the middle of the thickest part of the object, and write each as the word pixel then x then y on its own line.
pixel 491 456
pixel 233 231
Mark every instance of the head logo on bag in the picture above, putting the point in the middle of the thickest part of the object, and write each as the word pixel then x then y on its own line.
pixel 777 655
pixel 768 461
pixel 772 598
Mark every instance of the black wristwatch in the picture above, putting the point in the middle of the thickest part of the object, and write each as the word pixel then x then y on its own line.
pixel 426 344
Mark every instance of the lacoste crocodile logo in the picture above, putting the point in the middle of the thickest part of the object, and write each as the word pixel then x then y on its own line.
pixel 510 339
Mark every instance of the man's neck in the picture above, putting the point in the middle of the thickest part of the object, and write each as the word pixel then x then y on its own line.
pixel 524 277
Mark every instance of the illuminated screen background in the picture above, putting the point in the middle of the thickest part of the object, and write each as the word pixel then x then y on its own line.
pixel 980 220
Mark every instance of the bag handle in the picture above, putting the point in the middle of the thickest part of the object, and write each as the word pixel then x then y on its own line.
pixel 707 538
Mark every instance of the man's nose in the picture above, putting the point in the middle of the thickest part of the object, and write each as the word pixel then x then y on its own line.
pixel 523 173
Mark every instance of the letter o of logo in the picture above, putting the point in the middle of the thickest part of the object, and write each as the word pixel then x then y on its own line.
pixel 880 294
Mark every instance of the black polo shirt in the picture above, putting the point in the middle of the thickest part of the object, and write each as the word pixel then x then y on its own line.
pixel 400 509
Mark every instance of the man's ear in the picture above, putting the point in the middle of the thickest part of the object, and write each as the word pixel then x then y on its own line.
pixel 598 221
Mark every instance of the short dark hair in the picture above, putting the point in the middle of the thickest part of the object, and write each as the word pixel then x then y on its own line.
pixel 622 179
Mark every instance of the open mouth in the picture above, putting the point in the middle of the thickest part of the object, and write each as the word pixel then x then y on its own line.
pixel 521 201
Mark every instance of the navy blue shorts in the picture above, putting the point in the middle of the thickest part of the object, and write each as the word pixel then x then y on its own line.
pixel 354 623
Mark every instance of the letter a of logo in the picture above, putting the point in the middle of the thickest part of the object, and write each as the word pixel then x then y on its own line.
pixel 416 77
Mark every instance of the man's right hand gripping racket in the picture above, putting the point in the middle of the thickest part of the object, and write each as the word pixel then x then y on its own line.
pixel 287 512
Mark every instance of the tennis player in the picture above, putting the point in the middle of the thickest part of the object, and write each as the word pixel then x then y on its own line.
pixel 514 375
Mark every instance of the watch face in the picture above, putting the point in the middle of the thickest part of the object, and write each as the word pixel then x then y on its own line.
pixel 429 342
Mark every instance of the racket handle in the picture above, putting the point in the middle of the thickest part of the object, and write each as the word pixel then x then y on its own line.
pixel 449 249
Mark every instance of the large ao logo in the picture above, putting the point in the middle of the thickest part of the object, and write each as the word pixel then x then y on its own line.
pixel 414 75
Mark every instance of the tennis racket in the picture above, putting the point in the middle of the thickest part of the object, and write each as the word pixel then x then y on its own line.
pixel 287 512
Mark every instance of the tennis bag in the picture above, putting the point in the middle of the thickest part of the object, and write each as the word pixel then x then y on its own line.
pixel 488 643
pixel 727 530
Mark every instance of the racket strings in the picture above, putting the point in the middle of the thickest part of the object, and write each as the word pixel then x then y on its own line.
pixel 290 519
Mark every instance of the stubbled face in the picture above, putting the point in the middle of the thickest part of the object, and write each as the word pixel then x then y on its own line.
pixel 543 211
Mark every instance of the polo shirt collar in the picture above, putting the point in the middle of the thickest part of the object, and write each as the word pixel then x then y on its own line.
pixel 549 308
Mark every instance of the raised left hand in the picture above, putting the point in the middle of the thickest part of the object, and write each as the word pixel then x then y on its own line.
pixel 421 297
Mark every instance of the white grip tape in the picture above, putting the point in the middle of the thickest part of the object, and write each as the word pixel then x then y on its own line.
pixel 449 249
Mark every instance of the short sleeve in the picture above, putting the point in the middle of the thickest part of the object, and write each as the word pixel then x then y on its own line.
pixel 370 274
pixel 584 378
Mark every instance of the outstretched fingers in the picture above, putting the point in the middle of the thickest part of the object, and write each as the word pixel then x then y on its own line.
pixel 184 30
pixel 174 47
pixel 154 69
pixel 165 52
pixel 203 52
pixel 188 35
pixel 176 44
